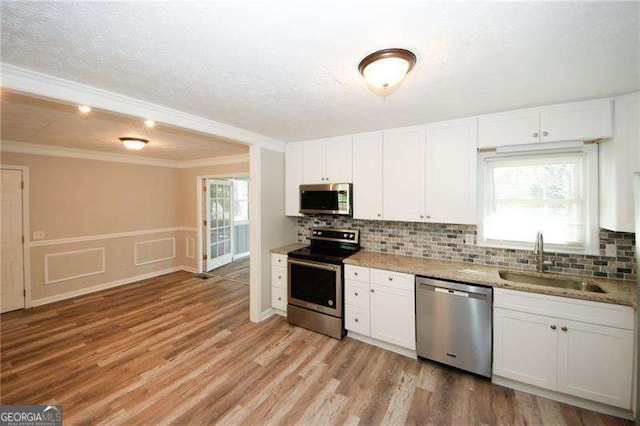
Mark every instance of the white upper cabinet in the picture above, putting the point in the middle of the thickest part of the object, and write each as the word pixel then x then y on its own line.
pixel 451 171
pixel 587 120
pixel 576 121
pixel 619 159
pixel 293 178
pixel 508 128
pixel 367 176
pixel 403 171
pixel 327 160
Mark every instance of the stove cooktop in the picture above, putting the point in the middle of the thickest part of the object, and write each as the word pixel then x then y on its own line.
pixel 326 255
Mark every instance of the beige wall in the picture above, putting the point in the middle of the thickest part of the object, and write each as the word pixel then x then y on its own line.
pixel 72 198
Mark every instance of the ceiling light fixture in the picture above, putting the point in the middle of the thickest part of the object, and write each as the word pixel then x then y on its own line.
pixel 385 69
pixel 134 143
pixel 149 123
pixel 85 109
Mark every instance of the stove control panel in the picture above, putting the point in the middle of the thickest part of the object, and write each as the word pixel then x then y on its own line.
pixel 333 234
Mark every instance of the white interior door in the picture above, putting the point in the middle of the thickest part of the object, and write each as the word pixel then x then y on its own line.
pixel 11 257
pixel 219 213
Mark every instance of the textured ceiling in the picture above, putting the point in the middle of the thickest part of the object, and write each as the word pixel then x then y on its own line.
pixel 41 121
pixel 288 70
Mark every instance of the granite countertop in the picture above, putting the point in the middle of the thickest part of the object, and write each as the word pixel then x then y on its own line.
pixel 289 247
pixel 617 291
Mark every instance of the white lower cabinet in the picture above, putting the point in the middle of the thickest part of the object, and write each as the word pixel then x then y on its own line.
pixel 381 305
pixel 580 358
pixel 279 283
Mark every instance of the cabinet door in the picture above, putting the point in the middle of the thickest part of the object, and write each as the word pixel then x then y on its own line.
pixel 525 347
pixel 508 128
pixel 451 171
pixel 393 316
pixel 313 170
pixel 576 121
pixel 367 176
pixel 403 174
pixel 293 178
pixel 338 160
pixel 596 362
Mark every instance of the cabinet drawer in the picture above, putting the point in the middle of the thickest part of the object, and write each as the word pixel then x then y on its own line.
pixel 356 273
pixel 279 277
pixel 279 298
pixel 392 279
pixel 357 319
pixel 565 307
pixel 356 294
pixel 278 259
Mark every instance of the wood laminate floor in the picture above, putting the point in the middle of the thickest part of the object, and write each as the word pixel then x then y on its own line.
pixel 181 350
pixel 236 270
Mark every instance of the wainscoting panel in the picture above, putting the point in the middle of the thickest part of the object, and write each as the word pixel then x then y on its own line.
pixel 191 248
pixel 152 251
pixel 69 265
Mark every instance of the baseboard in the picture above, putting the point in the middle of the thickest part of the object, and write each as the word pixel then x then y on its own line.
pixel 189 269
pixel 266 314
pixel 241 256
pixel 384 345
pixel 564 398
pixel 105 286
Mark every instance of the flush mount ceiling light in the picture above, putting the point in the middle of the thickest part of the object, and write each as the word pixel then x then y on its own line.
pixel 149 123
pixel 385 69
pixel 134 143
pixel 85 109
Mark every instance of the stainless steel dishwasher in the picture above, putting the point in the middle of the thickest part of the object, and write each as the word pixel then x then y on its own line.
pixel 454 324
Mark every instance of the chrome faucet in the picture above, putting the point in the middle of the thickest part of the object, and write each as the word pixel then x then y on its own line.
pixel 538 250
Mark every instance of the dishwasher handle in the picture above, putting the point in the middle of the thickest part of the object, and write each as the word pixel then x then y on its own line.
pixel 454 288
pixel 449 291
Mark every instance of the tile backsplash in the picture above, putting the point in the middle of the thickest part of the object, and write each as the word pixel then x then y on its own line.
pixel 447 242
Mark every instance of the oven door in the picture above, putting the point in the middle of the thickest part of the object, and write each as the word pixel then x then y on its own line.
pixel 316 286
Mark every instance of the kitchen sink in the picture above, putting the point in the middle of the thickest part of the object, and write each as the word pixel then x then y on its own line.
pixel 551 281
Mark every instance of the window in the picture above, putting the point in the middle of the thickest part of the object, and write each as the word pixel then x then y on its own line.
pixel 552 191
pixel 240 201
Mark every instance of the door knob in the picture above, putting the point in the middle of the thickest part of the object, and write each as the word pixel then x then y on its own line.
pixel 553 327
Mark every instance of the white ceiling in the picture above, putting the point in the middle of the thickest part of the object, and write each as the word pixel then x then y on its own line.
pixel 289 70
pixel 46 122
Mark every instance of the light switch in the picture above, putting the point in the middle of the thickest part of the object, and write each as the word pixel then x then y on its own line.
pixel 610 250
pixel 38 235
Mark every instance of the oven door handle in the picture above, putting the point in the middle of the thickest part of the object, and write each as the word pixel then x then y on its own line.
pixel 324 266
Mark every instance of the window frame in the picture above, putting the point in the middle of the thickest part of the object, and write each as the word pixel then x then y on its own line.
pixel 234 182
pixel 591 194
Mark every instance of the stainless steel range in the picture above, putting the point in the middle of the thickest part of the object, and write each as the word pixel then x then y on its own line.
pixel 315 287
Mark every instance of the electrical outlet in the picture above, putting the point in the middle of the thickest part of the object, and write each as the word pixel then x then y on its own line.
pixel 610 250
pixel 38 235
pixel 469 239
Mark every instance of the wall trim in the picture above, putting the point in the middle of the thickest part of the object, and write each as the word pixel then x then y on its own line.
pixel 97 237
pixel 190 248
pixel 47 281
pixel 105 286
pixel 28 81
pixel 266 314
pixel 87 154
pixel 135 251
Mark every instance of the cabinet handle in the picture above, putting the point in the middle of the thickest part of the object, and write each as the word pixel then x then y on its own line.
pixel 279 298
pixel 421 216
pixel 356 293
pixel 355 273
pixel 279 260
pixel 356 320
pixel 535 134
pixel 373 291
pixel 553 327
pixel 563 328
pixel 428 216
pixel 379 215
pixel 390 278
pixel 545 133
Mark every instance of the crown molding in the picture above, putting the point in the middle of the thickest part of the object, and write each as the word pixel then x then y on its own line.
pixel 86 154
pixel 25 80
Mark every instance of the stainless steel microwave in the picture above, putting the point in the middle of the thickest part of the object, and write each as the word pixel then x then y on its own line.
pixel 326 198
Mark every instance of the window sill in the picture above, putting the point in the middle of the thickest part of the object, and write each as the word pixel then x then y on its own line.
pixel 548 248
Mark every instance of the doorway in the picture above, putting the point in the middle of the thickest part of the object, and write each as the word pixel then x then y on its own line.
pixel 226 227
pixel 12 231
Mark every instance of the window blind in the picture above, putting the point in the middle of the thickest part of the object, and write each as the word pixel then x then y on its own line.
pixel 524 194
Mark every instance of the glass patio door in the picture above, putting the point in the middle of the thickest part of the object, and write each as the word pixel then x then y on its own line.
pixel 219 215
